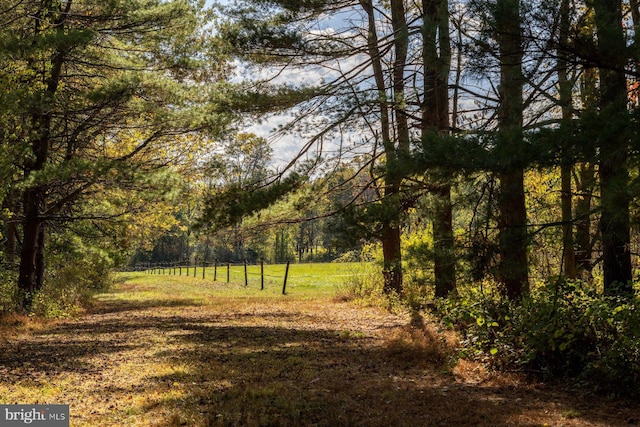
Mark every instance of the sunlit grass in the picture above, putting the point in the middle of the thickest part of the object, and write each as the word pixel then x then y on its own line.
pixel 318 280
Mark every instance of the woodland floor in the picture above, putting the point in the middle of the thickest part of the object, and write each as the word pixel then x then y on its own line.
pixel 147 354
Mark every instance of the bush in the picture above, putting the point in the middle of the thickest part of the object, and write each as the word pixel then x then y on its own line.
pixel 564 330
pixel 72 275
pixel 365 281
pixel 8 292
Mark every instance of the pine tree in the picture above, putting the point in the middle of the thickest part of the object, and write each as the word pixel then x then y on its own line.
pixel 99 94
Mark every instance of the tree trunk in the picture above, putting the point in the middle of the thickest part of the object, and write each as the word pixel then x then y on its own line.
pixel 444 255
pixel 436 58
pixel 392 254
pixel 31 271
pixel 40 256
pixel 391 231
pixel 513 271
pixel 10 232
pixel 27 275
pixel 566 168
pixel 585 183
pixel 512 217
pixel 614 148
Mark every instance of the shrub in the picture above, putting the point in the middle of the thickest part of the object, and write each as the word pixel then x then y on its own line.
pixel 564 330
pixel 8 292
pixel 365 281
pixel 72 275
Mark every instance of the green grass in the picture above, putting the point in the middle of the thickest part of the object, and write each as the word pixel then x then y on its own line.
pixel 316 279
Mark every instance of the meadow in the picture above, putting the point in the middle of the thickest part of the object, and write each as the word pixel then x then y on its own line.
pixel 316 279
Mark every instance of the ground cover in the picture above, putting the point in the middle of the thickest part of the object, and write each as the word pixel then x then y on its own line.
pixel 171 351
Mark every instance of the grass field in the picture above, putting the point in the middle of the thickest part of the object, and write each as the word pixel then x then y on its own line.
pixel 168 351
pixel 306 278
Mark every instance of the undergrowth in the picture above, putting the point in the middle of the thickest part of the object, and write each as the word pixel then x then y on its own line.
pixel 563 330
pixel 71 278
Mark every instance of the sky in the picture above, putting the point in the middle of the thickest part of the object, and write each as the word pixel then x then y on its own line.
pixel 285 147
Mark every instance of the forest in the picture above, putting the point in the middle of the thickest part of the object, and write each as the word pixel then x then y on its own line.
pixel 481 157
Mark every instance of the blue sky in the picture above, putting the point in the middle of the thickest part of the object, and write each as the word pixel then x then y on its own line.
pixel 287 146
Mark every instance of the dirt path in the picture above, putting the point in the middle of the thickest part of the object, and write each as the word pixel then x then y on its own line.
pixel 278 362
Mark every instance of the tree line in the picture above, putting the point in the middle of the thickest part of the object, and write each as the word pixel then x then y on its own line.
pixel 98 99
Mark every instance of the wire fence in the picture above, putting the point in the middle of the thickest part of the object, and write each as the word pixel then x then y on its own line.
pixel 262 273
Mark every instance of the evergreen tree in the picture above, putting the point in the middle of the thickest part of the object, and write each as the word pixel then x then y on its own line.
pixel 99 95
pixel 614 148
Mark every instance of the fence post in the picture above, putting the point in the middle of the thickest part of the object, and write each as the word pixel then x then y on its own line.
pixel 228 268
pixel 246 278
pixel 204 266
pixel 215 270
pixel 195 267
pixel 286 275
pixel 262 274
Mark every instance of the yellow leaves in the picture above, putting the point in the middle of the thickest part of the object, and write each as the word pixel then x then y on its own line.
pixel 543 195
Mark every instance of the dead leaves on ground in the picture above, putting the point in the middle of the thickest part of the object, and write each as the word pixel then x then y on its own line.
pixel 269 362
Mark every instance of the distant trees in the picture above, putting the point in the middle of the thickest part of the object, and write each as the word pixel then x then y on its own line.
pixel 380 94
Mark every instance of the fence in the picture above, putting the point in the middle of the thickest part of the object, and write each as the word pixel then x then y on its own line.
pixel 200 270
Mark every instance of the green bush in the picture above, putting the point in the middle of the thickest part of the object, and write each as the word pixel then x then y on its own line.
pixel 564 330
pixel 72 274
pixel 8 292
pixel 365 281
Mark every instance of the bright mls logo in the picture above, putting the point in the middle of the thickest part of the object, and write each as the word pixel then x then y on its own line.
pixel 34 415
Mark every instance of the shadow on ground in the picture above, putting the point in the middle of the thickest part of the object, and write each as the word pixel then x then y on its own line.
pixel 280 368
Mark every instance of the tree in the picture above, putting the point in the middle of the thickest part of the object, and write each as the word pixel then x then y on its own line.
pixel 614 149
pixel 503 26
pixel 101 90
pixel 565 93
pixel 395 141
pixel 436 59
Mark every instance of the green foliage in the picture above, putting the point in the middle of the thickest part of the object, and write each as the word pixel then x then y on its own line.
pixel 365 281
pixel 228 206
pixel 75 272
pixel 418 282
pixel 8 292
pixel 115 92
pixel 564 330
